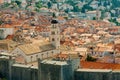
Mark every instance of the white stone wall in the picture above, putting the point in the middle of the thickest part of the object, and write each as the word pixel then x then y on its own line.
pixel 35 56
pixel 6 32
pixel 42 55
pixel 18 52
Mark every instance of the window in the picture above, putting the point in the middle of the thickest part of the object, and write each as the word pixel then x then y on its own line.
pixel 54 26
pixel 53 33
pixel 47 54
pixel 53 39
pixel 57 32
pixel 36 56
pixel 52 53
pixel 42 55
pixel 31 58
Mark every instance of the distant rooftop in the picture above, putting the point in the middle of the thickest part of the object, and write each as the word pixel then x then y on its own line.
pixel 99 65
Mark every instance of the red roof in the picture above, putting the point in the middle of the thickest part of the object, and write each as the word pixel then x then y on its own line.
pixel 41 29
pixel 9 37
pixel 98 65
pixel 117 46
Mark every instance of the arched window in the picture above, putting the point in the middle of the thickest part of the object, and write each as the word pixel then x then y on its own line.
pixel 52 53
pixel 37 56
pixel 47 55
pixel 42 55
pixel 31 58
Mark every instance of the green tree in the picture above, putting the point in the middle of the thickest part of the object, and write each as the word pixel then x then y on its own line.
pixel 71 2
pixel 1 21
pixel 37 9
pixel 18 3
pixel 5 5
pixel 114 21
pixel 86 6
pixel 49 4
pixel 94 18
pixel 115 3
pixel 76 9
pixel 90 58
pixel 54 15
pixel 54 1
pixel 67 10
pixel 38 4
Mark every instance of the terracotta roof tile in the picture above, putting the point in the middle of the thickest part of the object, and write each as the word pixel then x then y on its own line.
pixel 1 1
pixel 60 18
pixel 79 30
pixel 117 46
pixel 98 65
pixel 9 37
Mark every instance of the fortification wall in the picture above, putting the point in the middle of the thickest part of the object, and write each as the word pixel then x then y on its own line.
pixel 23 72
pixel 93 74
pixel 116 75
pixel 5 67
pixel 12 71
pixel 97 74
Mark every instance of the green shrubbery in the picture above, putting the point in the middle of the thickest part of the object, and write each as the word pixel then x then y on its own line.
pixel 114 21
pixel 90 58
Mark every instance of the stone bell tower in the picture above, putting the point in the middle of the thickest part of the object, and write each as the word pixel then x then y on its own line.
pixel 55 34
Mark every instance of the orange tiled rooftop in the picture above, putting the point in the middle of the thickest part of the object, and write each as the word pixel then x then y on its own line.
pixel 99 65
